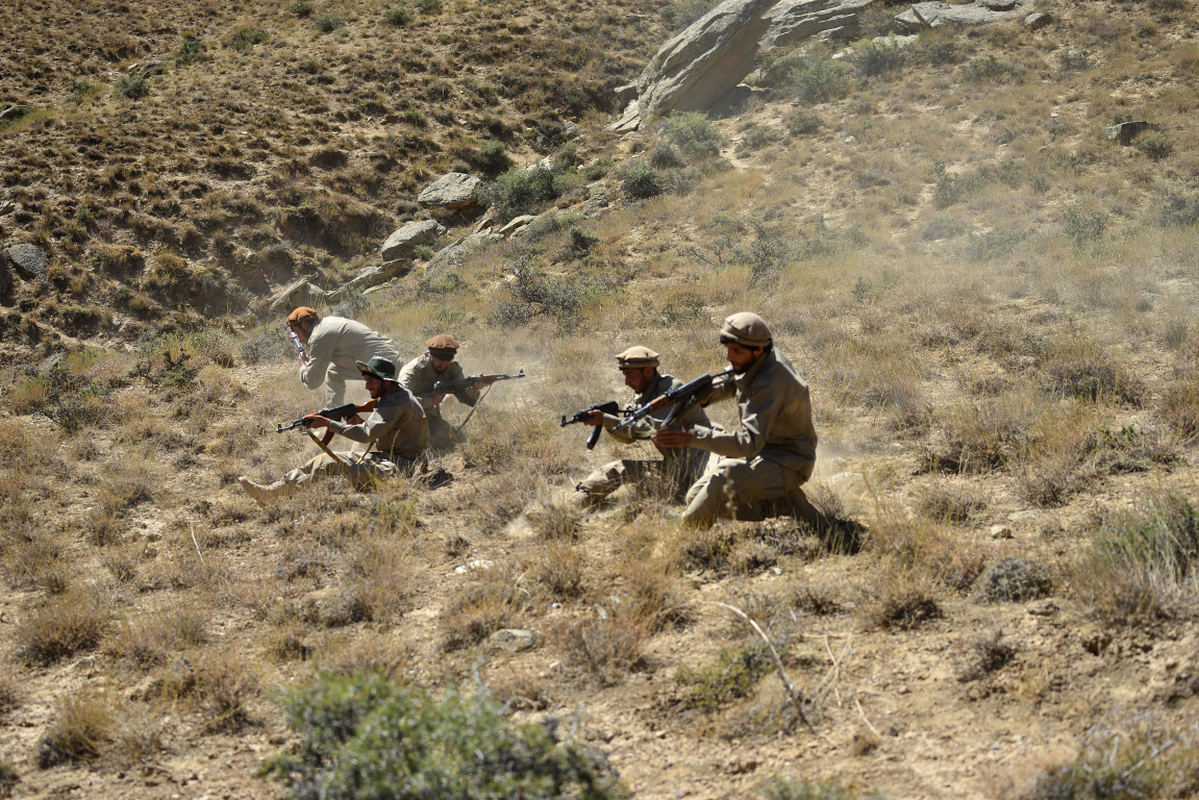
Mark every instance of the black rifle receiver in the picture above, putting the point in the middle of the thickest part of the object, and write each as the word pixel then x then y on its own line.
pixel 609 407
pixel 338 413
pixel 682 398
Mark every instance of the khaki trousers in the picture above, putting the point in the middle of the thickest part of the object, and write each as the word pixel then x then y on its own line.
pixel 752 490
pixel 373 468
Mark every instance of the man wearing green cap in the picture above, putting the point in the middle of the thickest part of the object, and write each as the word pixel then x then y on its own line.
pixel 395 434
pixel 757 471
pixel 419 376
pixel 679 467
pixel 335 345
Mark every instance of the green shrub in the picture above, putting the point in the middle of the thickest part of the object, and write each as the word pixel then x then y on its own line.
pixel 301 8
pixel 803 123
pixel 666 156
pixel 132 87
pixel 732 677
pixel 365 737
pixel 598 168
pixel 532 293
pixel 1142 564
pixel 818 79
pixel 520 191
pixel 192 50
pixel 950 187
pixel 936 50
pixel 1074 60
pixel 943 228
pixel 246 38
pixel 1081 228
pixel 428 6
pixel 696 137
pixel 327 23
pixel 398 17
pixel 492 158
pixel 985 247
pixel 989 68
pixel 1155 145
pixel 1178 211
pixel 639 180
pixel 878 58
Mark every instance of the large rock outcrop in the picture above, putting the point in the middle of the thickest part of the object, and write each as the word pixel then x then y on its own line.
pixel 695 69
pixel 404 240
pixel 935 14
pixel 794 20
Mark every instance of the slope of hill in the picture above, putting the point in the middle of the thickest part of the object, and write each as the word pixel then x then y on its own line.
pixel 992 301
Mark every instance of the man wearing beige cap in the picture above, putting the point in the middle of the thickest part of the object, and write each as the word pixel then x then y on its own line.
pixel 335 345
pixel 419 376
pixel 395 434
pixel 757 471
pixel 679 467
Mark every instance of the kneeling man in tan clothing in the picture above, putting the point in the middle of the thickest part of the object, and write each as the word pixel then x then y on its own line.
pixel 757 471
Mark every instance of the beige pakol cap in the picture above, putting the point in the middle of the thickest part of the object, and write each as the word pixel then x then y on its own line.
pixel 637 356
pixel 301 314
pixel 746 328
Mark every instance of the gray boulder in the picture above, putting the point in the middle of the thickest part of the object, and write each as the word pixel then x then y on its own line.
pixel 299 293
pixel 28 259
pixel 403 241
pixel 1125 132
pixel 695 69
pixel 922 16
pixel 372 276
pixel 455 190
pixel 794 20
pixel 1040 19
pixel 514 640
pixel 452 256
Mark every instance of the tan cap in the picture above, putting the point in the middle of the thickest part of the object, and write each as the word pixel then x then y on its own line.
pixel 746 328
pixel 637 356
pixel 442 341
pixel 301 314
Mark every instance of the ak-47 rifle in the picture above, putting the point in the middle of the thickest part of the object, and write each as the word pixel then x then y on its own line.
pixel 296 341
pixel 683 398
pixel 338 413
pixel 449 387
pixel 609 407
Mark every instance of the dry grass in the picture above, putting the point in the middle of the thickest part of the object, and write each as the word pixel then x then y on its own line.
pixel 82 729
pixel 69 624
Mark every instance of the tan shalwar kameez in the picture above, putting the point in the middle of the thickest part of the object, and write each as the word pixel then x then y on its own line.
pixel 395 434
pixel 335 346
pixel 757 472
pixel 679 467
pixel 418 376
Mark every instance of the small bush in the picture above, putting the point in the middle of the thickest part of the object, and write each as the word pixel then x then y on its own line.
pixel 533 293
pixel 598 168
pixel 492 158
pixel 192 50
pixel 398 17
pixel 1081 228
pixel 989 653
pixel 666 156
pixel 943 228
pixel 66 626
pixel 802 123
pixel 983 248
pixel 952 503
pixel 1128 760
pixel 1155 145
pixel 246 38
pixel 1178 211
pixel 878 58
pixel 301 9
pixel 133 87
pixel 903 601
pixel 428 6
pixel 641 181
pixel 606 648
pixel 83 726
pixel 1179 408
pixel 521 191
pixel 818 79
pixel 732 677
pixel 1074 60
pixel 1142 564
pixel 327 23
pixel 989 68
pixel 696 137
pixel 364 736
pixel 1013 580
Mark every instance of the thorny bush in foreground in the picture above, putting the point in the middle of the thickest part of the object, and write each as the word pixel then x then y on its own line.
pixel 365 737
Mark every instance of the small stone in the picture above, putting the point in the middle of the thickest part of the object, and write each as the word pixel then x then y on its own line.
pixel 1001 532
pixel 1045 608
pixel 514 640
